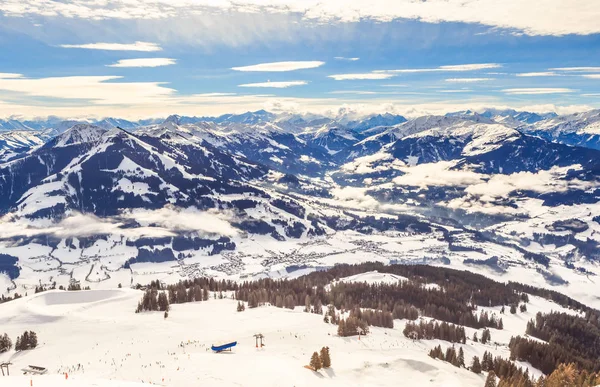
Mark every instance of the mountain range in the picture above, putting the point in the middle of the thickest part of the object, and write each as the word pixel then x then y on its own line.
pixel 256 193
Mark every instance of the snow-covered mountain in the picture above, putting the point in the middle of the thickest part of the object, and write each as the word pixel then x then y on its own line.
pixel 579 129
pixel 255 193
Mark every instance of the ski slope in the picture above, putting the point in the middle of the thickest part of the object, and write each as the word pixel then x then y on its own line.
pixel 96 338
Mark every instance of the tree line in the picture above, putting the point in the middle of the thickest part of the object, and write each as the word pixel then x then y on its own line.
pixel 568 339
pixel 28 340
pixel 435 330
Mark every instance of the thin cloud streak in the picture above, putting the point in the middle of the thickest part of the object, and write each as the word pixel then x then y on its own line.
pixel 468 80
pixel 538 74
pixel 137 46
pixel 577 69
pixel 144 62
pixel 277 85
pixel 360 76
pixel 281 66
pixel 347 59
pixel 447 68
pixel 537 91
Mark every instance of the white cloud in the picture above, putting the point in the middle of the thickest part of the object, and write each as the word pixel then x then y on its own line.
pixel 99 89
pixel 281 66
pixel 137 46
pixel 190 219
pixel 542 181
pixel 355 197
pixel 470 67
pixel 372 76
pixel 153 223
pixel 592 76
pixel 448 68
pixel 437 174
pixel 538 74
pixel 76 225
pixel 348 59
pixel 144 62
pixel 468 80
pixel 538 90
pixel 577 69
pixel 277 85
pixel 541 17
pixel 10 75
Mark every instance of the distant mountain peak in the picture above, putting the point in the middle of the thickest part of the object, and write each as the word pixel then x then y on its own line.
pixel 79 134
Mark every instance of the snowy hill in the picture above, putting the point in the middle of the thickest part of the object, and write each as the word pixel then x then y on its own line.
pixel 95 338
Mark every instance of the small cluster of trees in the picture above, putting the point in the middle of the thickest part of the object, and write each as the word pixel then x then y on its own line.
pixel 486 336
pixel 457 359
pixel 4 298
pixel 75 286
pixel 5 343
pixel 322 360
pixel 28 340
pixel 376 318
pixel 352 326
pixel 153 301
pixel 509 374
pixel 434 330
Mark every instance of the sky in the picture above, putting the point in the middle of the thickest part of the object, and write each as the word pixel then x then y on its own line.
pixel 151 58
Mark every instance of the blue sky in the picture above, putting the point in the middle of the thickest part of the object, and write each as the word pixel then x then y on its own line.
pixel 195 57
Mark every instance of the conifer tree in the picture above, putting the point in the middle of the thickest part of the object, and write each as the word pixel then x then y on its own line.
pixel 163 302
pixel 476 365
pixel 461 358
pixel 5 343
pixel 325 357
pixel 315 362
pixel 490 381
pixel 342 328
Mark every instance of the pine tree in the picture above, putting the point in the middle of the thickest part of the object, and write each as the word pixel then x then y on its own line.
pixel 163 302
pixel 325 357
pixel 461 358
pixel 476 365
pixel 342 328
pixel 33 341
pixel 475 337
pixel 5 343
pixel 490 381
pixel 315 362
pixel 523 308
pixel 307 304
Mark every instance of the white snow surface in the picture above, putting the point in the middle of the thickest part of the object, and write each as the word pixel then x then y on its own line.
pixel 117 347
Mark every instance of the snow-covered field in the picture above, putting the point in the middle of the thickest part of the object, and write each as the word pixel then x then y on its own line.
pixel 97 339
